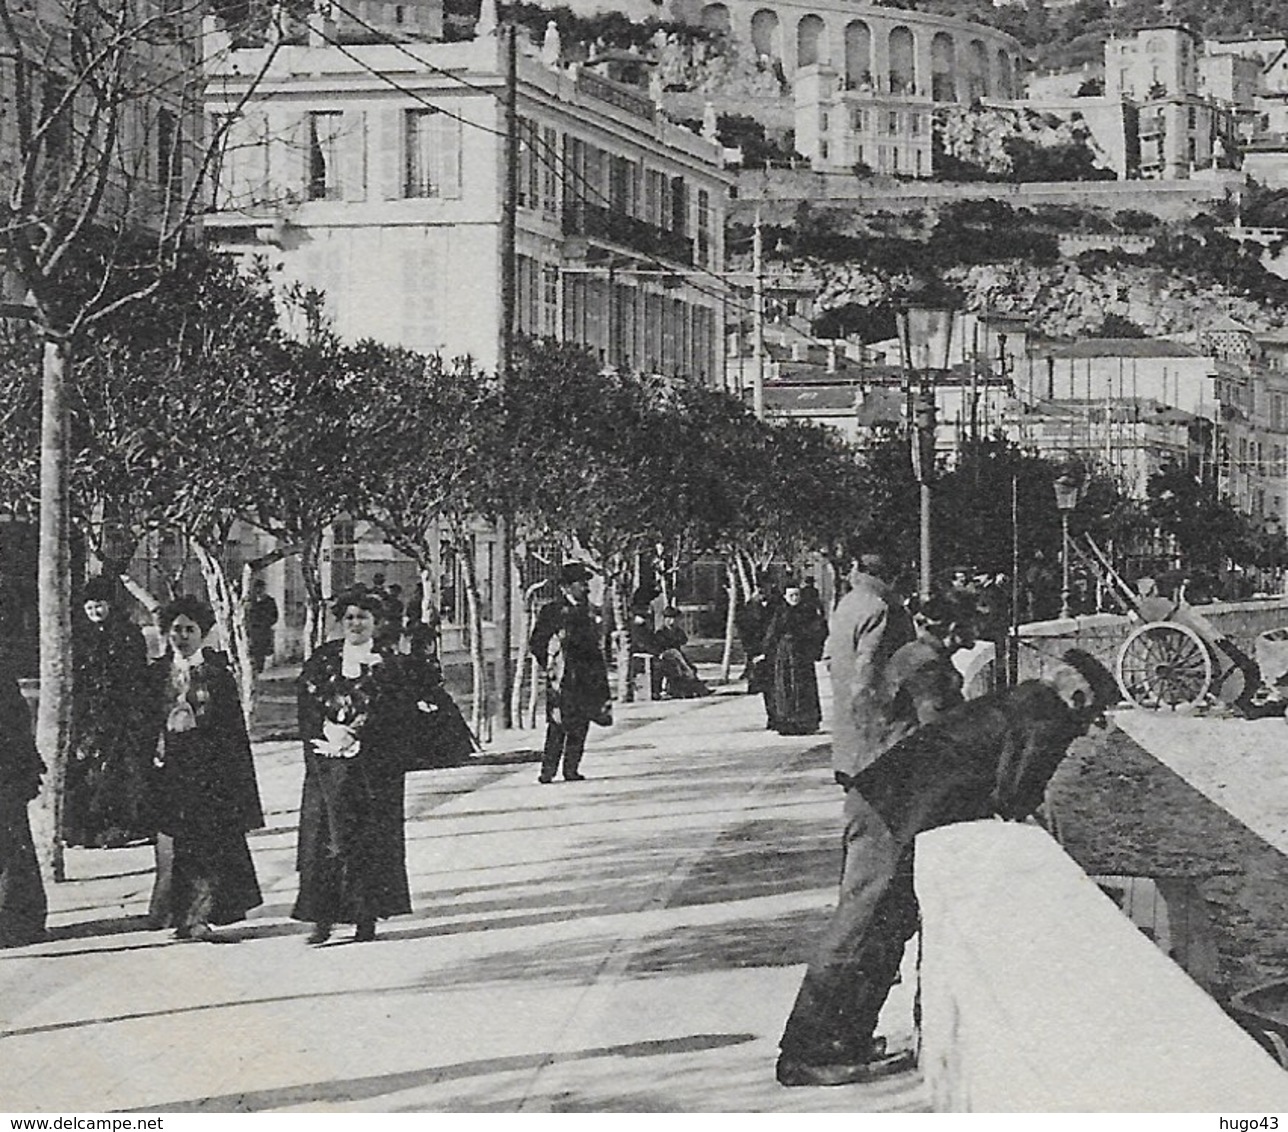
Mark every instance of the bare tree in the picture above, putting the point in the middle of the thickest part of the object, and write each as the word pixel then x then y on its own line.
pixel 104 157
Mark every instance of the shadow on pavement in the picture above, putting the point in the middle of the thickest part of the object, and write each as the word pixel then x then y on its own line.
pixel 368 1088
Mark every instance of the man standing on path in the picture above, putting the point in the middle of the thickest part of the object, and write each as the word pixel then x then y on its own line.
pixel 566 642
pixel 992 756
pixel 868 625
pixel 261 616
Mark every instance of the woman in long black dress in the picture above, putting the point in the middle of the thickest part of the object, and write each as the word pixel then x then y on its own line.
pixel 206 794
pixel 793 642
pixel 106 786
pixel 22 893
pixel 358 714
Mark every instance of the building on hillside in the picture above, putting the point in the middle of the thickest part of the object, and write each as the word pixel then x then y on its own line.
pixel 370 166
pixel 896 50
pixel 1233 81
pixel 838 127
pixel 1166 111
pixel 1259 49
pixel 1180 129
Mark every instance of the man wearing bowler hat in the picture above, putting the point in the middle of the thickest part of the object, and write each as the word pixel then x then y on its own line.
pixel 566 642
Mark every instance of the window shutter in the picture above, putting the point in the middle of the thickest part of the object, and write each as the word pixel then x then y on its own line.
pixel 391 171
pixel 353 148
pixel 446 150
pixel 294 176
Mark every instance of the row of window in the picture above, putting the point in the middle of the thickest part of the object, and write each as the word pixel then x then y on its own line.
pixel 626 325
pixel 885 158
pixel 552 170
pixel 883 122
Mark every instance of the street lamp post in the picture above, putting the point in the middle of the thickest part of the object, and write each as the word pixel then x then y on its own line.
pixel 925 335
pixel 1066 487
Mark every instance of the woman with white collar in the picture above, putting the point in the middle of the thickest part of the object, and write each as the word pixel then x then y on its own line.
pixel 357 713
pixel 206 795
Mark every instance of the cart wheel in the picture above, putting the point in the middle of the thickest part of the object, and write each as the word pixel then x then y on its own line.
pixel 1164 664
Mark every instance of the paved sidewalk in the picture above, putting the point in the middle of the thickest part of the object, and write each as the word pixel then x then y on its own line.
pixel 629 943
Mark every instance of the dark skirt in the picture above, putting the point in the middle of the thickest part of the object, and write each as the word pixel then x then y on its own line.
pixel 796 709
pixel 105 797
pixel 352 857
pixel 213 868
pixel 22 893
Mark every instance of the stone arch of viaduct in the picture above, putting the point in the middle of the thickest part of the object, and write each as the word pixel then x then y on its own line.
pixel 878 49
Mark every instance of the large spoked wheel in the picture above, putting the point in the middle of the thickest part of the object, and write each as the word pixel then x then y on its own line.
pixel 1164 664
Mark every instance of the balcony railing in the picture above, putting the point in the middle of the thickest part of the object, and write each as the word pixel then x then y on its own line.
pixel 599 223
pixel 615 94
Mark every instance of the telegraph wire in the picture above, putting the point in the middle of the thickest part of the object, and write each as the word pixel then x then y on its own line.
pixel 552 162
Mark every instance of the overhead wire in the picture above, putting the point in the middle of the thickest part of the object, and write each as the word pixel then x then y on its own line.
pixel 555 162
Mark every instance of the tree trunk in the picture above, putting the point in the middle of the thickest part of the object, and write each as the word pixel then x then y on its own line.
pixel 230 615
pixel 480 715
pixel 731 587
pixel 428 595
pixel 314 602
pixel 535 687
pixel 53 713
pixel 621 634
pixel 527 615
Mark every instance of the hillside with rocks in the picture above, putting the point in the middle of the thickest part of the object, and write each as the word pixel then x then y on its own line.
pixel 1067 270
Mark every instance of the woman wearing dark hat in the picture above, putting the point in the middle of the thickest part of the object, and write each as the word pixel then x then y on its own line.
pixel 206 794
pixel 105 791
pixel 358 717
pixel 793 642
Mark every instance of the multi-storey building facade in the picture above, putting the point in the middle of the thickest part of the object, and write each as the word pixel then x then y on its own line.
pixel 1179 129
pixel 374 172
pixel 840 128
pixel 370 165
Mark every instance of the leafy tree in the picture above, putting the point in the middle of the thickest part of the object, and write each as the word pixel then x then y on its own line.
pixel 1117 326
pixel 103 177
pixel 1209 532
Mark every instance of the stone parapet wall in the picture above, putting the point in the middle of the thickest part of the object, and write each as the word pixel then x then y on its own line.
pixel 1165 199
pixel 1039 995
pixel 1102 634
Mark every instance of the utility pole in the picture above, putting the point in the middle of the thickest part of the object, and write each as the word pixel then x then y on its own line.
pixel 758 320
pixel 924 450
pixel 509 215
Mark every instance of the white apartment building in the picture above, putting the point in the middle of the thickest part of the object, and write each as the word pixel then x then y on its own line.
pixel 374 171
pixel 370 165
pixel 839 127
pixel 1179 130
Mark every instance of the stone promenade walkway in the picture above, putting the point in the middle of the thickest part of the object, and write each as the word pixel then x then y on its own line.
pixel 630 943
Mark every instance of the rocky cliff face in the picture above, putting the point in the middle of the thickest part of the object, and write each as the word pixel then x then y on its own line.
pixel 1063 300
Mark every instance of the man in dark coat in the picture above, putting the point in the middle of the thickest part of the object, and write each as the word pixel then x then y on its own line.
pixel 566 643
pixel 992 756
pixel 261 616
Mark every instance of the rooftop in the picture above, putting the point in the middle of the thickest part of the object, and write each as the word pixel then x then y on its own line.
pixel 1123 348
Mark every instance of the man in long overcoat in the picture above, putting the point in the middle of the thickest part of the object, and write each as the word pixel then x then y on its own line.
pixel 868 625
pixel 566 642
